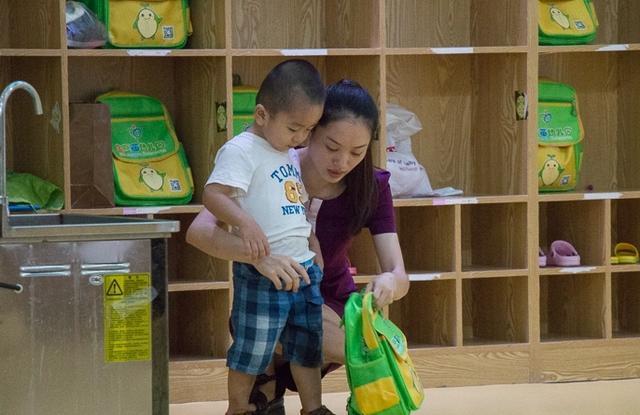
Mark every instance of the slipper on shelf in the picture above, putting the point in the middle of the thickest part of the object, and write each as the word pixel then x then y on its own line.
pixel 542 258
pixel 625 253
pixel 563 254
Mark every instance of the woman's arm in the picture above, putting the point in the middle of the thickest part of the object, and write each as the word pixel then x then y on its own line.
pixel 208 235
pixel 393 283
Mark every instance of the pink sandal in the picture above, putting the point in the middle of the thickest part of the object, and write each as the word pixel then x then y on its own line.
pixel 563 254
pixel 542 258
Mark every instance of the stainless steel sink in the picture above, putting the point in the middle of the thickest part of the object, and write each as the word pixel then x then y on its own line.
pixel 74 227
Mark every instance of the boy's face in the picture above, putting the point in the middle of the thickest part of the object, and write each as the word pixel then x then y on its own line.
pixel 288 129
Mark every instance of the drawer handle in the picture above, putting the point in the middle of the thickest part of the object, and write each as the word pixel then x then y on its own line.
pixel 31 271
pixel 115 268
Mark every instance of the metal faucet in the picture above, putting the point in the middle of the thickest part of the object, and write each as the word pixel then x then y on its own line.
pixel 4 97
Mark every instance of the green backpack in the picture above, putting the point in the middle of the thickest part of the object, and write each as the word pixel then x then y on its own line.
pixel 380 373
pixel 149 163
pixel 560 135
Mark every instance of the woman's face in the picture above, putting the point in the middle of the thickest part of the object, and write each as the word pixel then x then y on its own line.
pixel 338 147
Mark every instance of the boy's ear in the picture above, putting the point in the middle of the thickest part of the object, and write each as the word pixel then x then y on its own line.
pixel 260 114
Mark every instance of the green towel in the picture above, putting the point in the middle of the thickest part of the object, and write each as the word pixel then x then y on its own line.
pixel 30 189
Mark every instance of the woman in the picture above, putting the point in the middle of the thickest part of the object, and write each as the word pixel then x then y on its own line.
pixel 347 194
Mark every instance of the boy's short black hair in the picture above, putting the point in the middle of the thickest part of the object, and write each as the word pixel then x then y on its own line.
pixel 289 82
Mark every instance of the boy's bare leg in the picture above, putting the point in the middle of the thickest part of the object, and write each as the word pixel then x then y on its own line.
pixel 239 386
pixel 309 386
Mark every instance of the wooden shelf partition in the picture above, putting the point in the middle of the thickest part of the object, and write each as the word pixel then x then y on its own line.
pixel 479 310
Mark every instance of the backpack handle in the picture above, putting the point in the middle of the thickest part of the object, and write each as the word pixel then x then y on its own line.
pixel 368 314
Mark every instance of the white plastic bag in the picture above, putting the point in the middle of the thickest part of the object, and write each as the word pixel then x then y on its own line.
pixel 408 177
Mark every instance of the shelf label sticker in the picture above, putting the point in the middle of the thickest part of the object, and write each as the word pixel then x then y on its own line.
pixel 602 196
pixel 425 277
pixel 148 52
pixel 143 211
pixel 304 52
pixel 613 48
pixel 439 201
pixel 127 317
pixel 451 51
pixel 576 270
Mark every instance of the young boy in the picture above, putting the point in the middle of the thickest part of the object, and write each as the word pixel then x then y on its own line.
pixel 256 188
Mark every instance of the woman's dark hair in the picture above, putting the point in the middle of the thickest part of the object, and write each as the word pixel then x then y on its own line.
pixel 287 83
pixel 346 99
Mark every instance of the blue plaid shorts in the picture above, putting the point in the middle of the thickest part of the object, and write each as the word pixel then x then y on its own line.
pixel 263 316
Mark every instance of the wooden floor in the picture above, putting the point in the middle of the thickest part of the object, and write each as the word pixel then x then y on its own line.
pixel 587 398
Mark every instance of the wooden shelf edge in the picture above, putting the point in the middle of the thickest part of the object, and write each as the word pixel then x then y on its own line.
pixel 494 273
pixel 578 196
pixel 457 50
pixel 292 52
pixel 31 52
pixel 129 53
pixel 195 285
pixel 458 200
pixel 613 47
pixel 139 210
pixel 419 276
pixel 583 269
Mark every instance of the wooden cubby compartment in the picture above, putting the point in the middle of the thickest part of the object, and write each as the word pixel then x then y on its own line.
pixel 625 222
pixel 625 304
pixel 199 324
pixel 34 142
pixel 619 21
pixel 608 89
pixel 190 88
pixel 470 138
pixel 208 23
pixel 427 314
pixel 581 223
pixel 494 310
pixel 36 26
pixel 572 307
pixel 494 236
pixel 427 238
pixel 187 264
pixel 445 23
pixel 291 24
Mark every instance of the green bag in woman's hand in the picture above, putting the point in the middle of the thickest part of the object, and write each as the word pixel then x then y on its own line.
pixel 380 372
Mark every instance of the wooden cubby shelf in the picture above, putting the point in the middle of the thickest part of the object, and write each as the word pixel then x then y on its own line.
pixel 494 310
pixel 427 315
pixel 479 310
pixel 625 304
pixel 572 307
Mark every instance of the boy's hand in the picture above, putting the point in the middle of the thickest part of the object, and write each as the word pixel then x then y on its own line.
pixel 383 288
pixel 282 271
pixel 255 241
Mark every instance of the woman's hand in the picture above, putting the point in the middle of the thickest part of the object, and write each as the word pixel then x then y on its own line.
pixel 384 288
pixel 282 271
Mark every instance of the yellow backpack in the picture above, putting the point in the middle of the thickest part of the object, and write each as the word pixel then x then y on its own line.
pixel 147 24
pixel 566 22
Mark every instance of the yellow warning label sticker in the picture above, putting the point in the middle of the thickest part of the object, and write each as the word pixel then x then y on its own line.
pixel 127 317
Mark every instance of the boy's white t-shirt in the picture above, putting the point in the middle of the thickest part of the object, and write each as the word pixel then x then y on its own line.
pixel 269 188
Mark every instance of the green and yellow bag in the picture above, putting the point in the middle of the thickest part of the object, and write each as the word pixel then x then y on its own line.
pixel 149 164
pixel 244 104
pixel 380 373
pixel 144 24
pixel 566 22
pixel 560 135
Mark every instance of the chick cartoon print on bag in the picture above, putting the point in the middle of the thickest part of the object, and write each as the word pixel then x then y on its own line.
pixel 147 23
pixel 559 17
pixel 152 178
pixel 551 170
